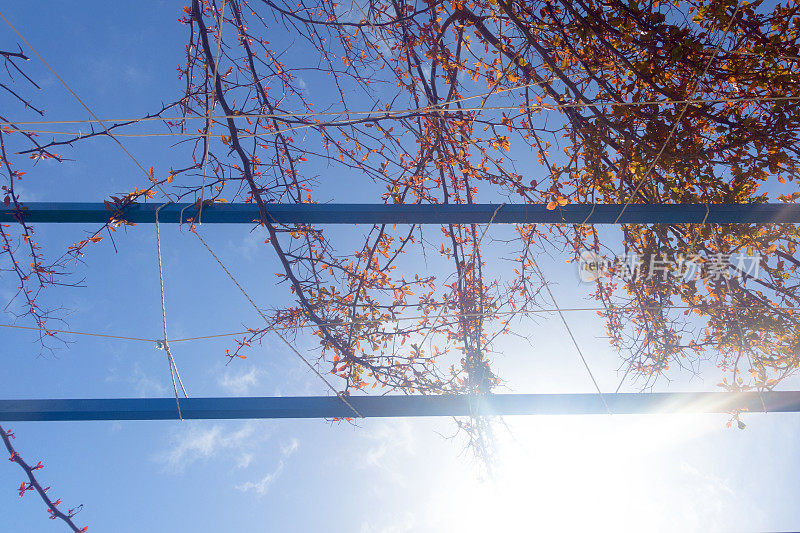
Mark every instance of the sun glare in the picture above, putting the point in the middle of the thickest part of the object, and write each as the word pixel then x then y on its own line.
pixel 569 473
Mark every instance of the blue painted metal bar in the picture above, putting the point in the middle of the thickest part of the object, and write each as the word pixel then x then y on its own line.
pixel 222 213
pixel 396 406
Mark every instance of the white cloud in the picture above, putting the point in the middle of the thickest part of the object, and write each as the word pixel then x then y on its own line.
pixel 239 383
pixel 713 483
pixel 290 448
pixel 194 442
pixel 244 460
pixel 396 524
pixel 251 245
pixel 24 193
pixel 135 75
pixel 261 486
pixel 144 384
pixel 385 438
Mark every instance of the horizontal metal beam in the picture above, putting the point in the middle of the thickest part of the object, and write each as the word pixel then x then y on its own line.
pixel 397 406
pixel 223 213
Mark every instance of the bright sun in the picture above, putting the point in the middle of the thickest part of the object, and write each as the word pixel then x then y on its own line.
pixel 583 472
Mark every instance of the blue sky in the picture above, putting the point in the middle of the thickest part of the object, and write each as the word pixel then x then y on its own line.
pixel 608 473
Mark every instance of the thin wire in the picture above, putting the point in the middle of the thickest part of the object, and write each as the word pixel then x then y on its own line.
pixel 209 122
pixel 741 337
pixel 680 115
pixel 624 377
pixel 571 336
pixel 207 135
pixel 289 129
pixel 308 114
pixel 379 321
pixel 82 134
pixel 173 368
pixel 48 330
pixel 136 161
pixel 258 310
pixel 390 113
pixel 81 102
pixel 702 224
pixel 447 297
pixel 664 146
pixel 749 358
pixel 372 27
pixel 691 251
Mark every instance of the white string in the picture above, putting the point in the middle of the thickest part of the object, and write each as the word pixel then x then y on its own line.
pixel 164 344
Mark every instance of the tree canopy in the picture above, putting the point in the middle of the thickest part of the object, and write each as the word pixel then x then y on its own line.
pixel 553 102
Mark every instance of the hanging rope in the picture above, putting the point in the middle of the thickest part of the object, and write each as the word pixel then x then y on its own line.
pixel 163 344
